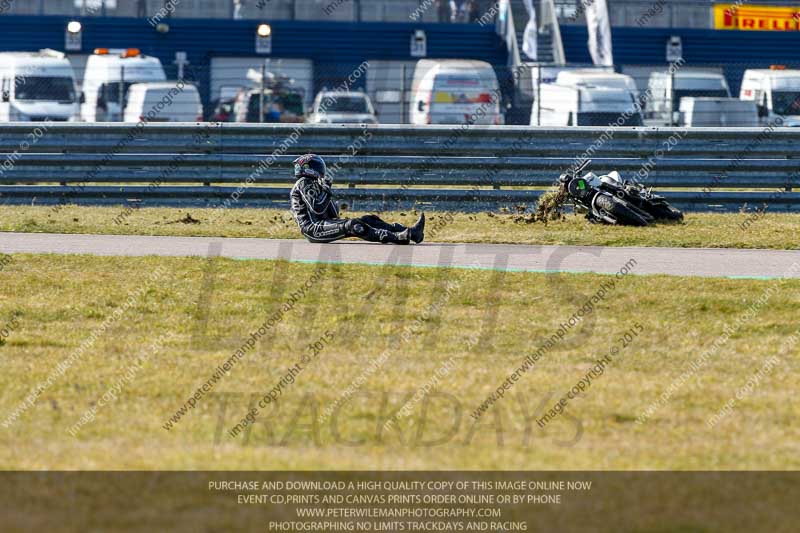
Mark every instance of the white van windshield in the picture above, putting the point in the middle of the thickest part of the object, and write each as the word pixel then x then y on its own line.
pixel 786 102
pixel 46 88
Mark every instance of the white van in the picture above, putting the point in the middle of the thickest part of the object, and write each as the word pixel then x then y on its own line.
pixel 718 112
pixel 666 91
pixel 587 97
pixel 454 91
pixel 776 92
pixel 108 75
pixel 37 86
pixel 163 102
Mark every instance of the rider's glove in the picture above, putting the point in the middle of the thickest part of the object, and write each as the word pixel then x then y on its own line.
pixel 326 182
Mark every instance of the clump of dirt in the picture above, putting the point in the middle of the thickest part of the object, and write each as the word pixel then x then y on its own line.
pixel 530 218
pixel 550 206
pixel 188 219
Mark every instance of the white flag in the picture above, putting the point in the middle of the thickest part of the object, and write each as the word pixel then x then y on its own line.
pixel 599 33
pixel 529 37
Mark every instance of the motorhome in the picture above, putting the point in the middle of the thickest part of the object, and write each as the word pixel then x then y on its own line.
pixel 666 89
pixel 587 97
pixel 37 86
pixel 776 92
pixel 455 92
pixel 108 76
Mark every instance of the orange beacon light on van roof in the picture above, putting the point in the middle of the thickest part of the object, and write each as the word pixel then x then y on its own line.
pixel 124 52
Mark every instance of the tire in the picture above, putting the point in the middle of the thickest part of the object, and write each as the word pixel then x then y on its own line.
pixel 620 211
pixel 634 201
pixel 664 211
pixel 639 211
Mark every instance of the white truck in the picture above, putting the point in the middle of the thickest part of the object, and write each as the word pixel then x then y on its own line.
pixel 587 97
pixel 665 91
pixel 108 76
pixel 776 93
pixel 37 86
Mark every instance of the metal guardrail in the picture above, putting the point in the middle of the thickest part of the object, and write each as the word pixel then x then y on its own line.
pixel 388 167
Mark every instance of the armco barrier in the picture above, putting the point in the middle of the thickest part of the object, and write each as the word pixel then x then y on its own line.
pixel 385 167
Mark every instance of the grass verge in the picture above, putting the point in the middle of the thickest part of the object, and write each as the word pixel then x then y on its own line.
pixel 477 325
pixel 775 231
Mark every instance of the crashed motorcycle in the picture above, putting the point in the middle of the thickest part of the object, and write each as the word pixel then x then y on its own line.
pixel 610 199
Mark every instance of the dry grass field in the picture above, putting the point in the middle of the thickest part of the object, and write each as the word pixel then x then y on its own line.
pixel 126 342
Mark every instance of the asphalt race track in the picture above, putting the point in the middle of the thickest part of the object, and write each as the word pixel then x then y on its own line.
pixel 518 258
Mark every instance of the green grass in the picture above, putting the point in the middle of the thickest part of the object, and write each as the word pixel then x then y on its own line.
pixel 776 231
pixel 60 300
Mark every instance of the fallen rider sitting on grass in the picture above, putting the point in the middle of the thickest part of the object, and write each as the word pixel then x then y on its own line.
pixel 318 216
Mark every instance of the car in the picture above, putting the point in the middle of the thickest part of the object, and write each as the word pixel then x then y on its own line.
pixel 342 107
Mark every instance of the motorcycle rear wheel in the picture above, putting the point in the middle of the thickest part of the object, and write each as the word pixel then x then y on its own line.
pixel 664 211
pixel 620 210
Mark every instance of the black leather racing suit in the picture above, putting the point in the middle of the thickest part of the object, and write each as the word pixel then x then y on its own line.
pixel 318 217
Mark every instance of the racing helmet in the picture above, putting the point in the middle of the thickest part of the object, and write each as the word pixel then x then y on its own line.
pixel 310 166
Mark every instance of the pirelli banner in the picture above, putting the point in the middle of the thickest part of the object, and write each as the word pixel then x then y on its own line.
pixel 756 17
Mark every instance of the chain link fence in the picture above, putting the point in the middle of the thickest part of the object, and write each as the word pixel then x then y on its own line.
pixel 124 86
